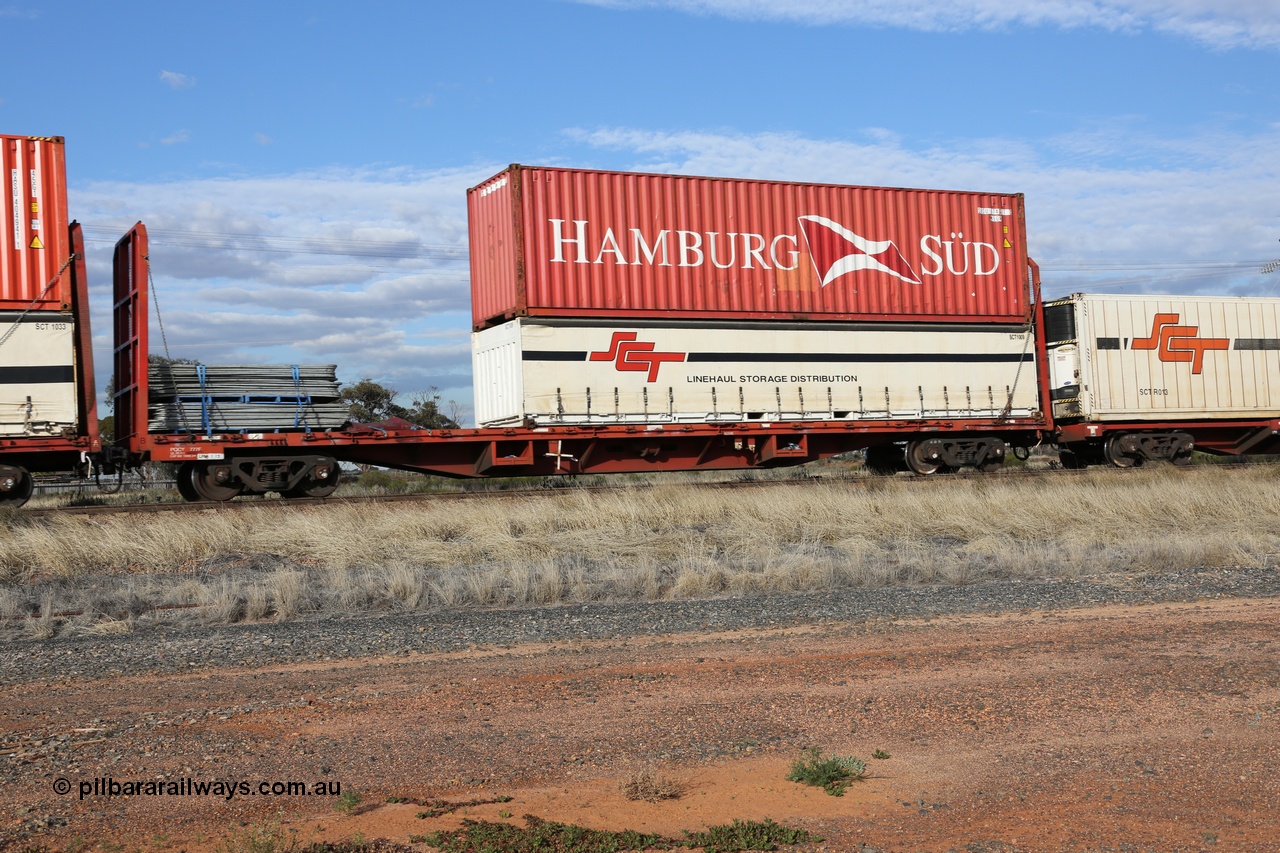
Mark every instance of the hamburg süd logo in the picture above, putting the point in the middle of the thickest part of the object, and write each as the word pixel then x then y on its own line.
pixel 837 251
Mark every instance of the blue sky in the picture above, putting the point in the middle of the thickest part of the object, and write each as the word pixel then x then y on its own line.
pixel 303 167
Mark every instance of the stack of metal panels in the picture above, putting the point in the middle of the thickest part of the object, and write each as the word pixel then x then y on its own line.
pixel 244 398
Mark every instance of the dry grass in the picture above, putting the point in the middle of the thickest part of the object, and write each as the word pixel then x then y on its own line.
pixel 652 787
pixel 640 543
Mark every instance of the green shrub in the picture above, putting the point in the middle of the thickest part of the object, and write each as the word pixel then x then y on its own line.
pixel 747 835
pixel 832 774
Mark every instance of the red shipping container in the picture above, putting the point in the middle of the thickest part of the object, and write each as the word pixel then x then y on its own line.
pixel 35 249
pixel 549 242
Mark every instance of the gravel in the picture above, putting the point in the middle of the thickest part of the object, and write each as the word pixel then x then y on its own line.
pixel 187 649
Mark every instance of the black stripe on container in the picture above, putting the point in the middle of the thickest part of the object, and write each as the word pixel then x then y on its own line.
pixel 1108 343
pixel 1257 343
pixel 801 357
pixel 860 358
pixel 553 355
pixel 46 316
pixel 37 375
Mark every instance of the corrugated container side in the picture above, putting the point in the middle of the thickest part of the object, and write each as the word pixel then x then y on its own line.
pixel 497 373
pixel 34 244
pixel 592 372
pixel 496 282
pixel 1175 357
pixel 601 244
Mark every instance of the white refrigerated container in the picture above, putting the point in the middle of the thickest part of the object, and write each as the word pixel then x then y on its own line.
pixel 1163 358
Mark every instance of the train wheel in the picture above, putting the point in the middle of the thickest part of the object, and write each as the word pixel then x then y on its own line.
pixel 1181 458
pixel 990 466
pixel 20 485
pixel 312 488
pixel 204 482
pixel 185 486
pixel 1116 456
pixel 922 460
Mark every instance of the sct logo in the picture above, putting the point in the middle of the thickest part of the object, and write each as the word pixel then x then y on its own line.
pixel 627 353
pixel 1179 343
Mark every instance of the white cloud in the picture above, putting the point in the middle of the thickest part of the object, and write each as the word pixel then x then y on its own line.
pixel 1218 23
pixel 177 81
pixel 177 138
pixel 365 268
pixel 262 139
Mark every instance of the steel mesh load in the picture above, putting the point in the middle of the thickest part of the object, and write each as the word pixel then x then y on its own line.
pixel 244 398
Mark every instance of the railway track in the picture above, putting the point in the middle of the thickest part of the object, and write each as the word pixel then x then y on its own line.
pixel 250 502
pixel 247 502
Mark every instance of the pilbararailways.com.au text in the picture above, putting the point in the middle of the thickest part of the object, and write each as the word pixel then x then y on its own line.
pixel 227 789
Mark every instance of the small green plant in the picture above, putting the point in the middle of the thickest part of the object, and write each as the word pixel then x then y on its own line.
pixel 880 754
pixel 832 774
pixel 347 802
pixel 475 836
pixel 538 835
pixel 747 835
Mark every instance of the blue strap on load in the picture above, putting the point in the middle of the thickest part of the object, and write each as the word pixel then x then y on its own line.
pixel 205 400
pixel 299 414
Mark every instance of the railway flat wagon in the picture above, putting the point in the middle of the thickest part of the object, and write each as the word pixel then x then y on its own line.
pixel 218 464
pixel 1136 378
pixel 48 413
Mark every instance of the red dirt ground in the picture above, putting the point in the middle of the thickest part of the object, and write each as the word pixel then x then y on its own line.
pixel 1146 728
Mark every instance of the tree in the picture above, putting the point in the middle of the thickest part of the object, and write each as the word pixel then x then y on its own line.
pixel 425 411
pixel 371 402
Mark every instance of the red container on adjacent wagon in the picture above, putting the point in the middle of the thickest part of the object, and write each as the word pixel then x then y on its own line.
pixel 550 242
pixel 35 250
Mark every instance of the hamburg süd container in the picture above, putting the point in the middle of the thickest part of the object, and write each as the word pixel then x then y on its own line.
pixel 34 244
pixel 550 242
pixel 1158 358
pixel 37 374
pixel 548 372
